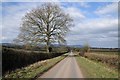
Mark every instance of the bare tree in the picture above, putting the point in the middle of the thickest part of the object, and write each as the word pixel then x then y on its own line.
pixel 45 24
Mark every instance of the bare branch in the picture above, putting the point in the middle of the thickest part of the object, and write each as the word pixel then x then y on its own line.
pixel 46 24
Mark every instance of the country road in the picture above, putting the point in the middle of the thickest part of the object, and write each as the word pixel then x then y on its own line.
pixel 67 68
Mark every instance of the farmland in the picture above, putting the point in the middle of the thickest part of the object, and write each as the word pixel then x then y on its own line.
pixel 99 63
pixel 26 63
pixel 111 60
pixel 92 69
pixel 59 39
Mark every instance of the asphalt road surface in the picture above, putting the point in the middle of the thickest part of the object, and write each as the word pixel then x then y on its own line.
pixel 67 68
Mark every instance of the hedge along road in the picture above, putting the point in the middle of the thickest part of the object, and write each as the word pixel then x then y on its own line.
pixel 67 68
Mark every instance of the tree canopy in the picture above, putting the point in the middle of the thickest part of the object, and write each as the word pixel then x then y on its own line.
pixel 45 24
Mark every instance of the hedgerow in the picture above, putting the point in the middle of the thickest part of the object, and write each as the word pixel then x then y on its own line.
pixel 16 58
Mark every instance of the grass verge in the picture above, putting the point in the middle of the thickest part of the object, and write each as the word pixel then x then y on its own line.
pixel 33 70
pixel 92 69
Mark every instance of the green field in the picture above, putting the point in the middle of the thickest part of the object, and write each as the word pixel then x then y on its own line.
pixel 92 69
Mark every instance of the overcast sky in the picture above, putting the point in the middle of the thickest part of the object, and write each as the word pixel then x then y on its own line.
pixel 96 23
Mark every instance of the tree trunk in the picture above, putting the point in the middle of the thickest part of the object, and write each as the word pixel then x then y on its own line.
pixel 47 48
pixel 48 38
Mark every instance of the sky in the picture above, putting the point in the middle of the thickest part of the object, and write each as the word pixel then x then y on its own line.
pixel 95 23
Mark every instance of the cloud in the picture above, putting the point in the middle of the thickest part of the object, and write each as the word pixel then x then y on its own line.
pixel 93 40
pixel 110 8
pixel 84 4
pixel 12 18
pixel 0 22
pixel 59 0
pixel 74 13
pixel 94 25
pixel 41 0
pixel 98 31
pixel 3 37
pixel 30 1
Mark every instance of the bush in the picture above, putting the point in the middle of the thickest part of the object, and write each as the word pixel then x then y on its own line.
pixel 81 53
pixel 15 58
pixel 84 50
pixel 111 60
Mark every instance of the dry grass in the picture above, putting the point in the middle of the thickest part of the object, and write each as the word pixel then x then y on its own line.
pixel 111 60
